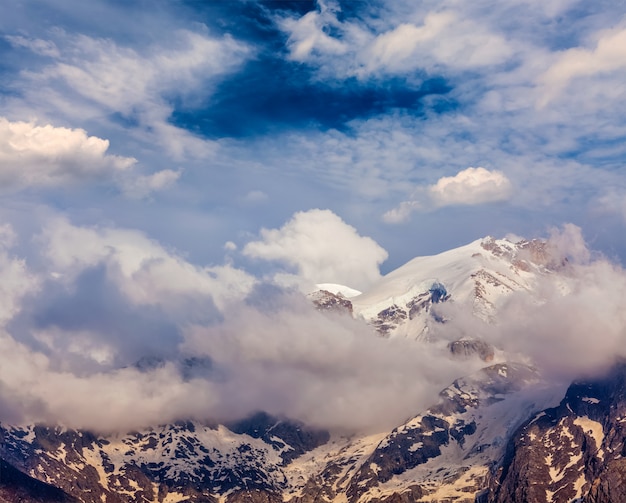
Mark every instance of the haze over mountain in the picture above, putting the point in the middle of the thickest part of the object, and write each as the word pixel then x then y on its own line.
pixel 415 388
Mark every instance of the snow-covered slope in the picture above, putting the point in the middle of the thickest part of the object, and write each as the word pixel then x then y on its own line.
pixel 478 276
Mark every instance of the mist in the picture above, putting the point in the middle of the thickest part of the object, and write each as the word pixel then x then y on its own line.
pixel 107 330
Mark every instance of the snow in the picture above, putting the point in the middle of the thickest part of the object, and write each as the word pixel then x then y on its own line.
pixel 479 275
pixel 94 459
pixel 336 289
pixel 590 400
pixel 592 428
pixel 174 497
pixel 349 453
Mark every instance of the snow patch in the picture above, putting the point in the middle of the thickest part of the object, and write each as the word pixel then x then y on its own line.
pixel 592 428
pixel 591 400
pixel 336 289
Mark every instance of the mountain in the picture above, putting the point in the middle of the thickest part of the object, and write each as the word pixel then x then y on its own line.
pixel 498 434
pixel 478 276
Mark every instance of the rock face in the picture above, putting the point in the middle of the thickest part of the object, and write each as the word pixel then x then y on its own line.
pixel 16 486
pixel 573 452
pixel 324 300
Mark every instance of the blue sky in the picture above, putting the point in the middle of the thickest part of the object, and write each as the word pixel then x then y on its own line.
pixel 172 154
pixel 252 111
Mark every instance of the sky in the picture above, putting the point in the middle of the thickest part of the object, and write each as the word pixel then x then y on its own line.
pixel 160 159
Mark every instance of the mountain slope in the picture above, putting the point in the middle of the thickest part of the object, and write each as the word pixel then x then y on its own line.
pixel 478 276
pixel 573 452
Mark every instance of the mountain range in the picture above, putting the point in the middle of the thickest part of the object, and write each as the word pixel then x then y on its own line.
pixel 502 432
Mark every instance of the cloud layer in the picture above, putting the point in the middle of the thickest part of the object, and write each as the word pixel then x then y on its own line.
pixel 111 331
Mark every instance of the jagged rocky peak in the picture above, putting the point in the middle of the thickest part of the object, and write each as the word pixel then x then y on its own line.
pixel 323 300
pixel 523 254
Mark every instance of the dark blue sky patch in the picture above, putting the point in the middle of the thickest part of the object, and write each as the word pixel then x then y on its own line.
pixel 271 95
pixel 249 20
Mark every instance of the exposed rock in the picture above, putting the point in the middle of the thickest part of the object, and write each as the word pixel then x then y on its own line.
pixel 16 486
pixel 467 348
pixel 570 452
pixel 328 301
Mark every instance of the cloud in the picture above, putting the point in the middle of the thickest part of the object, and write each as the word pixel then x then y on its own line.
pixel 143 185
pixel 47 156
pixel 471 186
pixel 143 270
pixel 269 348
pixel 38 46
pixel 91 77
pixel 16 280
pixel 608 56
pixel 307 34
pixel 444 38
pixel 322 248
pixel 328 371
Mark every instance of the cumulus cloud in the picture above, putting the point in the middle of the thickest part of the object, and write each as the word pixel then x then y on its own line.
pixel 472 186
pixel 33 155
pixel 322 248
pixel 143 270
pixel 267 348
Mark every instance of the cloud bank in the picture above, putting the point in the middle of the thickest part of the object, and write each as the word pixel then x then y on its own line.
pixel 111 331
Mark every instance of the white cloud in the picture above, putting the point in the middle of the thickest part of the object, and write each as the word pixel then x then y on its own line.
pixel 328 371
pixel 307 34
pixel 16 280
pixel 443 38
pixel 437 38
pixel 323 249
pixel 92 77
pixel 32 155
pixel 122 79
pixel 402 212
pixel 606 57
pixel 38 46
pixel 143 270
pixel 471 186
pixel 143 185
